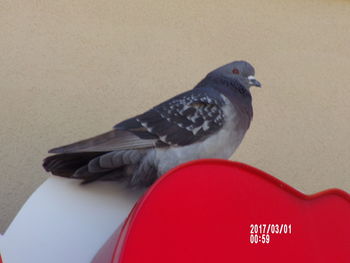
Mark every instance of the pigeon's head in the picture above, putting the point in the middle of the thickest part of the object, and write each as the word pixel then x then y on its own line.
pixel 240 71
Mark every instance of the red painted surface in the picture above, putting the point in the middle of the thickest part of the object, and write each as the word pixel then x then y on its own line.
pixel 203 211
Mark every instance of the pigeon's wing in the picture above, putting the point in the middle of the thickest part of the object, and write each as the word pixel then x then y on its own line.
pixel 109 141
pixel 187 118
pixel 182 120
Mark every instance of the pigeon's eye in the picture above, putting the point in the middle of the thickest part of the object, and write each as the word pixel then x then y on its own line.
pixel 235 71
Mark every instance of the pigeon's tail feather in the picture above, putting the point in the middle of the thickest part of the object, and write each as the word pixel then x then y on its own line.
pixel 92 166
pixel 67 163
pixel 89 177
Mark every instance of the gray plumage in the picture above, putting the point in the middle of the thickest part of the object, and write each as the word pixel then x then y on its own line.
pixel 208 121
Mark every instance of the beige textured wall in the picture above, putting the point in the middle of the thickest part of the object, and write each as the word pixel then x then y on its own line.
pixel 72 69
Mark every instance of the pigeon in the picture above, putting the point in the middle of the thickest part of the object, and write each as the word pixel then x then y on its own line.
pixel 208 121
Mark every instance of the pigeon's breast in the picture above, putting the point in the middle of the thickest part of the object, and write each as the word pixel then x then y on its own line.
pixel 221 145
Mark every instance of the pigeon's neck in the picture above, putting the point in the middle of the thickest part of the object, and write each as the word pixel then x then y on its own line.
pixel 229 87
pixel 233 90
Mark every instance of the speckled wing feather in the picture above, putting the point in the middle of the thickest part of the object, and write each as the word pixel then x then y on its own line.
pixel 187 118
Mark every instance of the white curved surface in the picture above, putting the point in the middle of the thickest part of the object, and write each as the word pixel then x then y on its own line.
pixel 64 221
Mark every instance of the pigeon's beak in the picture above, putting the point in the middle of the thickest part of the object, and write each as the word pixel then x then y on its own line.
pixel 254 82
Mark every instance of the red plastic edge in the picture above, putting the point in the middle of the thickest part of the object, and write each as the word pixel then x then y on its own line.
pixel 266 176
pixel 118 248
